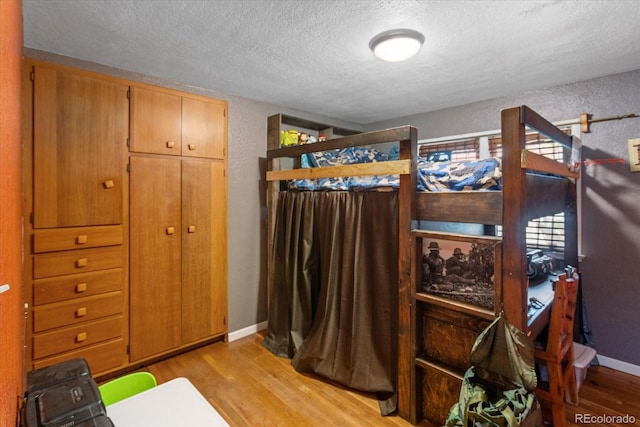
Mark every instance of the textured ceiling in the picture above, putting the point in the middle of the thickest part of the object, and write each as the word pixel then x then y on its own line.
pixel 314 55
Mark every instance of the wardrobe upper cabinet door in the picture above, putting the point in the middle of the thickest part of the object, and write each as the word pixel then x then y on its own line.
pixel 204 128
pixel 155 122
pixel 80 130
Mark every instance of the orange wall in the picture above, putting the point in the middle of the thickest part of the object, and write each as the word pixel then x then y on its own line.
pixel 11 324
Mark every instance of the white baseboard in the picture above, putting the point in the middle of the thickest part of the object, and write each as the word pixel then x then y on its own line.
pixel 245 332
pixel 619 365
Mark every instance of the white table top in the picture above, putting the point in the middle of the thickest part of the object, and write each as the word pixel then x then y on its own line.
pixel 176 403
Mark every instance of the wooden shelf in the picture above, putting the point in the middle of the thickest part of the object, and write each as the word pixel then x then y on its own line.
pixel 425 362
pixel 455 305
pixel 308 124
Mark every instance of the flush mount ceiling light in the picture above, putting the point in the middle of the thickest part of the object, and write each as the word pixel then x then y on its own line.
pixel 396 45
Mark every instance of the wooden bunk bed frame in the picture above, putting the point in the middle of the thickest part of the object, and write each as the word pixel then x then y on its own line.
pixel 533 186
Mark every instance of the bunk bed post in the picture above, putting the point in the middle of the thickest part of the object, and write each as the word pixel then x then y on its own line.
pixel 273 188
pixel 407 388
pixel 514 276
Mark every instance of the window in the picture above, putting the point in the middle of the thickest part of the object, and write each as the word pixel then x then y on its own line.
pixel 545 233
pixel 460 150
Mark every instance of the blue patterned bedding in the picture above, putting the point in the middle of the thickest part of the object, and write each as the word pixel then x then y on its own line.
pixel 477 175
pixel 481 175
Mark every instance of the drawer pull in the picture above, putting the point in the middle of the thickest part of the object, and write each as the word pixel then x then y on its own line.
pixel 81 336
pixel 82 262
pixel 81 312
pixel 81 287
pixel 108 184
pixel 171 144
pixel 170 230
pixel 191 229
pixel 81 240
pixel 192 147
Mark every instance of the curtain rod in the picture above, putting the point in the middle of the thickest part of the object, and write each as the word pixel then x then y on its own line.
pixel 586 120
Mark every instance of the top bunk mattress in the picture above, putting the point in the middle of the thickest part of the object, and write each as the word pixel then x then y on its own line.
pixel 476 175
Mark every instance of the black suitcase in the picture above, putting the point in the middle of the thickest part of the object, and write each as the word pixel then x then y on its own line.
pixel 64 395
pixel 54 374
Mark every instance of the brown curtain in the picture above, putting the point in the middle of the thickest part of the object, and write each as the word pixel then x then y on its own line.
pixel 334 299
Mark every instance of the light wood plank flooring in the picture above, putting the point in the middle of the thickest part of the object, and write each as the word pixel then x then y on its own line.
pixel 249 386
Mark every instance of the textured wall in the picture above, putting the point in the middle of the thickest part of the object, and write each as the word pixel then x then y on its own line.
pixel 11 317
pixel 610 213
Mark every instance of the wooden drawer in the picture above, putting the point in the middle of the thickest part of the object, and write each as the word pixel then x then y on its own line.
pixel 100 358
pixel 76 311
pixel 440 390
pixel 448 335
pixel 70 262
pixel 62 239
pixel 62 288
pixel 85 334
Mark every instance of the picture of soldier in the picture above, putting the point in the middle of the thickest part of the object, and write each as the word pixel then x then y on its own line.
pixel 460 276
pixel 444 275
pixel 433 266
pixel 457 264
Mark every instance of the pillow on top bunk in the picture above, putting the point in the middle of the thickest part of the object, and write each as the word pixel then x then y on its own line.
pixel 478 175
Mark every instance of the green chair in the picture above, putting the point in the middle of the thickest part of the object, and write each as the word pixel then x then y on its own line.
pixel 126 386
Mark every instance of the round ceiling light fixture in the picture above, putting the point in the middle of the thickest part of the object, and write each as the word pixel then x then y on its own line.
pixel 396 45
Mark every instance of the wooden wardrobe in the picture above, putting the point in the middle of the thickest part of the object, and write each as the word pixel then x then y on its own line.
pixel 125 219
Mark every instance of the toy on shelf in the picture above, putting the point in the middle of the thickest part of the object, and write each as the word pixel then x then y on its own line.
pixel 289 138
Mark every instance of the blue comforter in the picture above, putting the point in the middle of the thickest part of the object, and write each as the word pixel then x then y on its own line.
pixel 482 175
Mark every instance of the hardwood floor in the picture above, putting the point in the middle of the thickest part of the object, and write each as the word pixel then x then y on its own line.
pixel 607 393
pixel 249 386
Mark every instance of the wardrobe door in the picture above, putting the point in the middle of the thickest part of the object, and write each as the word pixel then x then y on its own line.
pixel 204 242
pixel 155 122
pixel 204 128
pixel 80 129
pixel 155 268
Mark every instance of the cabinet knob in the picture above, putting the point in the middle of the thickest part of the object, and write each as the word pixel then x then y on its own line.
pixel 191 229
pixel 108 184
pixel 81 287
pixel 171 230
pixel 81 312
pixel 171 144
pixel 192 147
pixel 81 336
pixel 82 262
pixel 81 240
